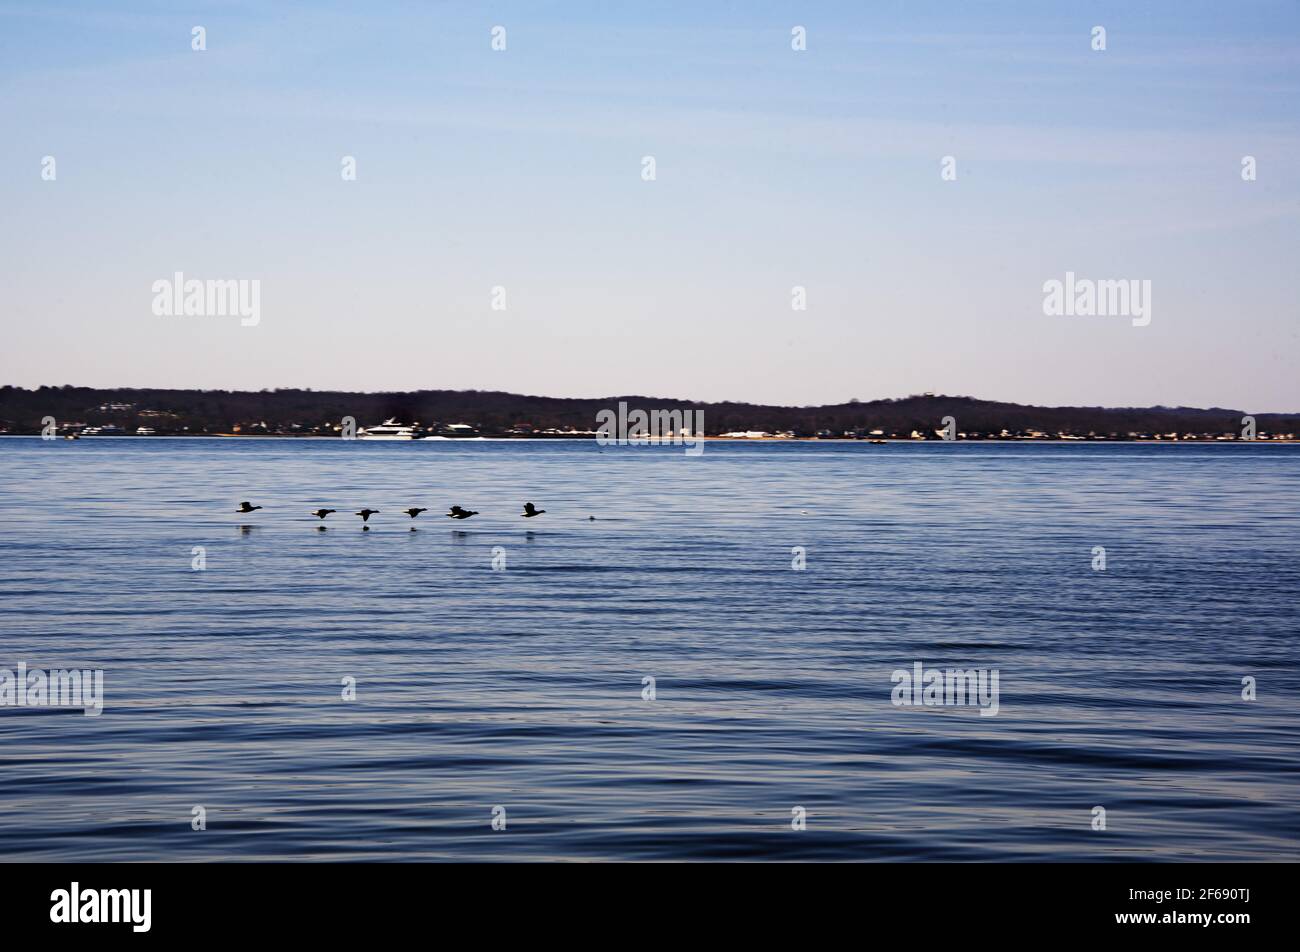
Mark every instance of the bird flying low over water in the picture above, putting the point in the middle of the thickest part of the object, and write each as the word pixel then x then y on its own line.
pixel 530 510
pixel 365 514
pixel 245 507
pixel 414 511
pixel 459 513
pixel 322 513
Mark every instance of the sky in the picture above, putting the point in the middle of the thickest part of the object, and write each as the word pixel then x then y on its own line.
pixel 774 168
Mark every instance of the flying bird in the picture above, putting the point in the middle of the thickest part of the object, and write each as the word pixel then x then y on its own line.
pixel 530 510
pixel 322 513
pixel 459 513
pixel 365 514
pixel 413 512
pixel 245 507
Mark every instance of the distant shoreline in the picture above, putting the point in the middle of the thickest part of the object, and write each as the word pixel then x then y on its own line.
pixel 877 441
pixel 466 414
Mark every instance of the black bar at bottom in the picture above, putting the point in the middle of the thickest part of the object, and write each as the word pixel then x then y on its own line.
pixel 335 902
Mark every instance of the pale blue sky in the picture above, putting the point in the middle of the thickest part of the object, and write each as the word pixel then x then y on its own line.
pixel 775 168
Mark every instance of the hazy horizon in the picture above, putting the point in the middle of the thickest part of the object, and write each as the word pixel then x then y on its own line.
pixel 522 168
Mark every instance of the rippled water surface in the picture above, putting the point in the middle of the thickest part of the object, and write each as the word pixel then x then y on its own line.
pixel 522 688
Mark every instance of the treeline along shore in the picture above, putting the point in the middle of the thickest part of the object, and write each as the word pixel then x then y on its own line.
pixel 68 410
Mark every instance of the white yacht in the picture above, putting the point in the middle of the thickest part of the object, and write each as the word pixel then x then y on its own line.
pixel 388 430
pixel 451 431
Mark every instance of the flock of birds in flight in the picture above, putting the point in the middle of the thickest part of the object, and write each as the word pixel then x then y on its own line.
pixel 455 512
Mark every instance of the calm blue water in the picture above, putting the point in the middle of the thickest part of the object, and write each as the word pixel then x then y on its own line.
pixel 522 688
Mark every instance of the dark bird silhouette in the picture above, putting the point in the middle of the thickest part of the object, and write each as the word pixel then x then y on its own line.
pixel 245 507
pixel 365 514
pixel 530 510
pixel 322 513
pixel 413 512
pixel 459 513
